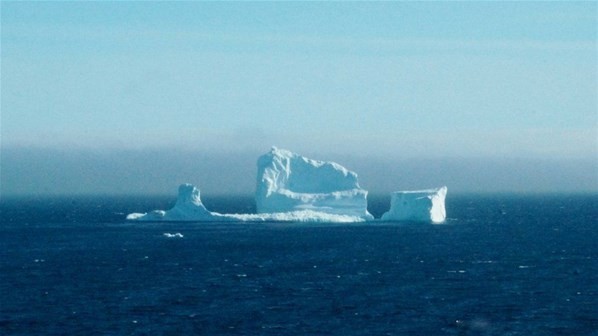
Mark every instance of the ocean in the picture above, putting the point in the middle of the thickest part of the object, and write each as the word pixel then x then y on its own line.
pixel 501 265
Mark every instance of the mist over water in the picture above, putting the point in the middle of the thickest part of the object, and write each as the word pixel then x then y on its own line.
pixel 37 171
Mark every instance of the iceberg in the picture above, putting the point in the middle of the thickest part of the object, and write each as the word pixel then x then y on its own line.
pixel 289 182
pixel 293 188
pixel 417 205
pixel 189 208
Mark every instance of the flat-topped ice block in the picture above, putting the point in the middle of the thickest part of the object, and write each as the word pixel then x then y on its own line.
pixel 417 205
pixel 289 182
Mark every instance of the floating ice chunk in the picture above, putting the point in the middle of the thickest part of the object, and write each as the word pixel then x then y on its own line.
pixel 420 205
pixel 289 182
pixel 173 235
pixel 135 216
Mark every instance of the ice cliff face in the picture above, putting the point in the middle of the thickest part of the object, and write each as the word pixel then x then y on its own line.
pixel 289 182
pixel 420 205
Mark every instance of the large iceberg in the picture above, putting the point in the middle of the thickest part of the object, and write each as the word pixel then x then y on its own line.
pixel 292 188
pixel 189 207
pixel 419 205
pixel 289 182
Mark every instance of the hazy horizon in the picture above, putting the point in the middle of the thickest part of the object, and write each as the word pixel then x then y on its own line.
pixel 44 171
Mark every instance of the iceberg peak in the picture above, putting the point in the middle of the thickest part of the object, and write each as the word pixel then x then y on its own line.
pixel 188 194
pixel 287 181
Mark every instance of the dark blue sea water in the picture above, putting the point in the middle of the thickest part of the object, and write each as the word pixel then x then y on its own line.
pixel 502 265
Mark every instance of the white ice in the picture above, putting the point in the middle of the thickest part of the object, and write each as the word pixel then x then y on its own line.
pixel 293 188
pixel 289 182
pixel 173 235
pixel 190 208
pixel 418 205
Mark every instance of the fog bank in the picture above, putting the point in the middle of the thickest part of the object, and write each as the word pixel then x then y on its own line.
pixel 35 171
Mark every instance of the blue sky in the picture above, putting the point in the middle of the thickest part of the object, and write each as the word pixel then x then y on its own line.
pixel 389 80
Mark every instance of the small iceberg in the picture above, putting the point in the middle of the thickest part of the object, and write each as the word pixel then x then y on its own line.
pixel 418 205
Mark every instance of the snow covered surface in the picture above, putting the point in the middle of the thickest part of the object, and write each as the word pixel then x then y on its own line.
pixel 190 208
pixel 288 182
pixel 419 205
